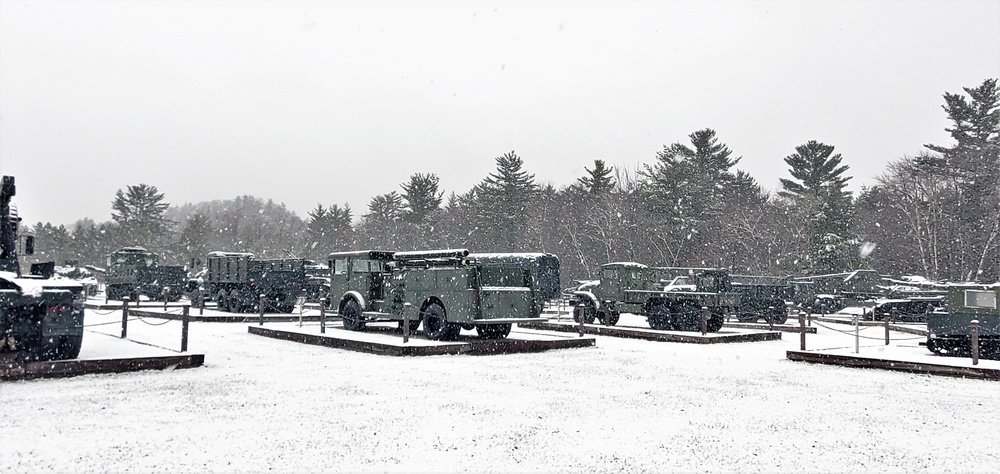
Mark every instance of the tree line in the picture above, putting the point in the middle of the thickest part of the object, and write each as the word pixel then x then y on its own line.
pixel 936 214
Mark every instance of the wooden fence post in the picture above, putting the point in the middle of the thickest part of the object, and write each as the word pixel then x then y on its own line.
pixel 166 295
pixel 185 313
pixel 770 318
pixel 125 316
pixel 974 336
pixel 704 320
pixel 580 310
pixel 260 305
pixel 887 330
pixel 201 303
pixel 802 331
pixel 322 315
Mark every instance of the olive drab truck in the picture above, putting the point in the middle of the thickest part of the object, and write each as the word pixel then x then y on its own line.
pixel 762 298
pixel 444 291
pixel 134 271
pixel 544 268
pixel 40 318
pixel 949 331
pixel 671 298
pixel 236 280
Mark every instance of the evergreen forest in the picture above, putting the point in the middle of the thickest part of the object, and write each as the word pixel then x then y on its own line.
pixel 936 214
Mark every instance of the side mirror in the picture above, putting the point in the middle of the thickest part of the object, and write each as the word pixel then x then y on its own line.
pixel 29 245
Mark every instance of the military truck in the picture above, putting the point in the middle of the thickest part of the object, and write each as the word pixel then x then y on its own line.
pixel 443 290
pixel 236 280
pixel 40 318
pixel 949 331
pixel 671 298
pixel 762 297
pixel 135 272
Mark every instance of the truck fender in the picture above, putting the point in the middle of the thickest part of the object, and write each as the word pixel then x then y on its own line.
pixel 588 296
pixel 355 295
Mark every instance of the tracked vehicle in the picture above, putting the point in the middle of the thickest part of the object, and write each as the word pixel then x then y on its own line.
pixel 444 291
pixel 40 318
pixel 949 331
pixel 671 298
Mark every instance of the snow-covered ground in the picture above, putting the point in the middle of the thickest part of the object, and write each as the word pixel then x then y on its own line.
pixel 262 404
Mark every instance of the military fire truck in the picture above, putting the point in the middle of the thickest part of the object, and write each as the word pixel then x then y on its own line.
pixel 671 298
pixel 135 272
pixel 236 280
pixel 40 318
pixel 445 291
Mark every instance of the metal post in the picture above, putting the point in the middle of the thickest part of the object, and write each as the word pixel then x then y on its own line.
pixel 261 306
pixel 974 336
pixel 125 316
pixel 857 335
pixel 185 312
pixel 322 315
pixel 802 331
pixel 579 311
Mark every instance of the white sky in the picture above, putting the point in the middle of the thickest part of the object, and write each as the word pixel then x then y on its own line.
pixel 334 102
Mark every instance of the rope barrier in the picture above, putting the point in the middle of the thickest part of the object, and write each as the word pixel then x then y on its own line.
pixel 103 314
pixel 152 324
pixel 101 324
pixel 851 333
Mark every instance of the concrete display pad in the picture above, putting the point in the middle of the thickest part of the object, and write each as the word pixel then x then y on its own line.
pixel 893 360
pixel 74 367
pixel 389 341
pixel 633 332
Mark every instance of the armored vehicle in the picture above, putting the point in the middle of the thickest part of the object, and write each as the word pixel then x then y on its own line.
pixel 544 268
pixel 135 272
pixel 237 280
pixel 949 332
pixel 444 290
pixel 835 291
pixel 40 318
pixel 671 298
pixel 762 297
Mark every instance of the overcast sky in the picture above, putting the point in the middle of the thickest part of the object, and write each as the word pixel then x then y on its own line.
pixel 335 102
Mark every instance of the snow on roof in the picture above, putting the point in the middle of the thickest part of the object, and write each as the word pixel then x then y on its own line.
pixel 625 264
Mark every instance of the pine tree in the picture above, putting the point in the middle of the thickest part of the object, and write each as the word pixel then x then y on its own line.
pixel 192 243
pixel 422 197
pixel 818 190
pixel 598 180
pixel 139 212
pixel 502 202
pixel 973 162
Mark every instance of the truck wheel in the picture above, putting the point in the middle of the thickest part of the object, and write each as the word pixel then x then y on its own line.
pixel 351 316
pixel 493 331
pixel 235 302
pixel 658 317
pixel 687 317
pixel 715 322
pixel 436 325
pixel 222 302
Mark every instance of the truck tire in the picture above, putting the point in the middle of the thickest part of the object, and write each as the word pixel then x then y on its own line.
pixel 350 316
pixel 436 325
pixel 659 318
pixel 236 304
pixel 493 331
pixel 222 301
